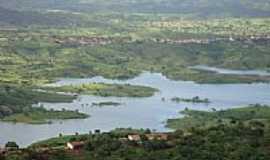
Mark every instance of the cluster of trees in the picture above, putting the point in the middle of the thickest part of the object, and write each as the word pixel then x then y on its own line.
pixel 195 99
pixel 12 100
pixel 15 99
pixel 11 145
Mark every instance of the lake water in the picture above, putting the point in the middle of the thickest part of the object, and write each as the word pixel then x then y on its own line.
pixel 229 71
pixel 149 112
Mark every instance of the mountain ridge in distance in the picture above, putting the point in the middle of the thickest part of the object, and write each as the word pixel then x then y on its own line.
pixel 195 8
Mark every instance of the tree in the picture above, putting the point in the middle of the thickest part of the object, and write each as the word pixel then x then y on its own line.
pixel 12 145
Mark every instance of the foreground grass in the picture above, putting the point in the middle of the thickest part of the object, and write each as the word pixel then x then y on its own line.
pixel 108 90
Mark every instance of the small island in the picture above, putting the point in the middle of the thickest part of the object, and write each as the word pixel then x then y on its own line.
pixel 102 104
pixel 107 90
pixel 196 99
pixel 43 116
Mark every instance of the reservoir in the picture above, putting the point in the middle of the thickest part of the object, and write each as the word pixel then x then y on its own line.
pixel 151 112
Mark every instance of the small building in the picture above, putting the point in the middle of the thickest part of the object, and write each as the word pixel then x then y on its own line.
pixel 134 137
pixel 75 145
pixel 157 136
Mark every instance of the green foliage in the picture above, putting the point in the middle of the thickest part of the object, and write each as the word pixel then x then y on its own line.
pixel 192 100
pixel 195 118
pixel 108 90
pixel 16 105
pixel 43 116
pixel 15 97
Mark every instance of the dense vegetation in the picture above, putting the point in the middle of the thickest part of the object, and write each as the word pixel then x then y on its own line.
pixel 15 100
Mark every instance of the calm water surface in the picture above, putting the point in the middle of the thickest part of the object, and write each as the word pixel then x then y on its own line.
pixel 149 112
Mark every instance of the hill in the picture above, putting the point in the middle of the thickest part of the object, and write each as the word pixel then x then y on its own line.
pixel 30 17
pixel 193 8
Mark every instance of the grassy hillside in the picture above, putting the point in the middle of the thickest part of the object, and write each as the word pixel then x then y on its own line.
pixel 30 18
pixel 34 57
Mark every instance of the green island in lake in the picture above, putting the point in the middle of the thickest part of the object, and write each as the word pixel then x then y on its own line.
pixel 43 116
pixel 107 90
pixel 16 102
pixel 102 104
pixel 196 99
